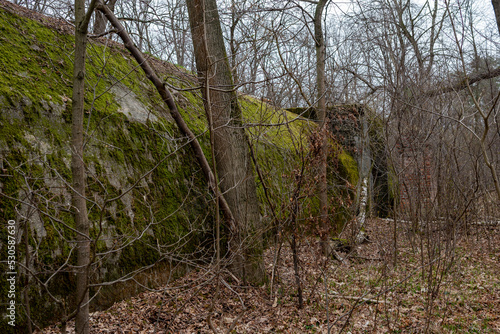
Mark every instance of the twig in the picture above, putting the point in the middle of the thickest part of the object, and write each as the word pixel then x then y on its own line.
pixel 367 258
pixel 366 300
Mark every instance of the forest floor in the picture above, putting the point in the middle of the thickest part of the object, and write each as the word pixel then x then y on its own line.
pixel 433 285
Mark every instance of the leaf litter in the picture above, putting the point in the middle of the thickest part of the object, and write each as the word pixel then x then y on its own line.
pixel 455 290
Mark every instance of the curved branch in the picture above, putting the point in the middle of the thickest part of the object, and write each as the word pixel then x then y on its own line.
pixel 169 101
pixel 463 84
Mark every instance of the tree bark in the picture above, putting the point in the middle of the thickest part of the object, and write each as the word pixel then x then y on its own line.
pixel 496 8
pixel 360 234
pixel 100 19
pixel 78 167
pixel 234 166
pixel 321 112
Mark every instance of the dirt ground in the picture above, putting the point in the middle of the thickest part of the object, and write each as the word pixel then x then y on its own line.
pixel 434 284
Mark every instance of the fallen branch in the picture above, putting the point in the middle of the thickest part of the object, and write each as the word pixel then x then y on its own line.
pixel 367 258
pixel 363 299
pixel 337 257
pixel 467 81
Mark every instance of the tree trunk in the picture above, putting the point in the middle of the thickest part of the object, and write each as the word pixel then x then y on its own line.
pixel 231 144
pixel 496 8
pixel 363 199
pixel 321 112
pixel 78 168
pixel 364 168
pixel 100 20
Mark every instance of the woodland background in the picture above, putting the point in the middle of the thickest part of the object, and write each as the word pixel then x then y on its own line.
pixel 254 166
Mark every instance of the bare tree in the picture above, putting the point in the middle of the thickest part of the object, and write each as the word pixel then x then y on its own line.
pixel 234 165
pixel 321 113
pixel 82 19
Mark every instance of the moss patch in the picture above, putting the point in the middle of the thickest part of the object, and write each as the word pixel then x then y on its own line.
pixel 148 200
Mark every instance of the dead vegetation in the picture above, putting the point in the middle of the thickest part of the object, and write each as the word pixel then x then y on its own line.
pixel 372 291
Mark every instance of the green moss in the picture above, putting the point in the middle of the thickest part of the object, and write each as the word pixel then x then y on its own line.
pixel 279 127
pixel 34 89
pixel 33 66
pixel 349 167
pixel 304 112
pixel 170 201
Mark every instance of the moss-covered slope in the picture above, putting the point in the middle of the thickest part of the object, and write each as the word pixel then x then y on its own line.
pixel 148 202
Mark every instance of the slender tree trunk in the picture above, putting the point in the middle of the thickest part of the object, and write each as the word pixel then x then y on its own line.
pixel 233 44
pixel 234 166
pixel 360 234
pixel 364 167
pixel 295 257
pixel 321 112
pixel 78 168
